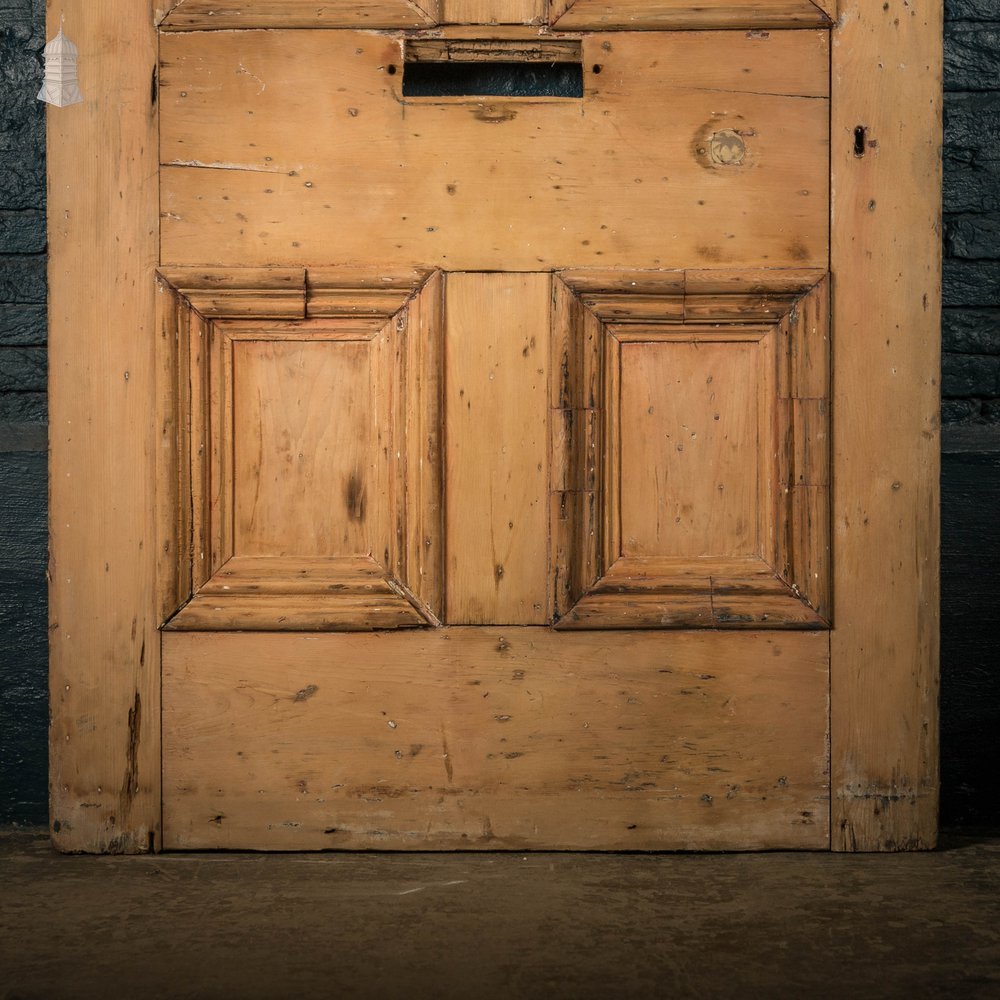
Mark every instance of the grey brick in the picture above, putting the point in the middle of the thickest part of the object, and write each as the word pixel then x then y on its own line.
pixel 24 407
pixel 971 56
pixel 22 325
pixel 22 117
pixel 972 152
pixel 965 375
pixel 972 10
pixel 15 12
pixel 970 185
pixel 23 279
pixel 22 232
pixel 23 637
pixel 971 283
pixel 23 369
pixel 960 411
pixel 971 331
pixel 974 237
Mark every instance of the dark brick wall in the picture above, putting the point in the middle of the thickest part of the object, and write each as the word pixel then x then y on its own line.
pixel 971 318
pixel 23 484
pixel 970 387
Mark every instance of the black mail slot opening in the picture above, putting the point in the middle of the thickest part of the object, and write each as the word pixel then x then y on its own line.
pixel 472 68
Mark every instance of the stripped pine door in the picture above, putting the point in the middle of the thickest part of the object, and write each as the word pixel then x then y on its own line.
pixel 493 400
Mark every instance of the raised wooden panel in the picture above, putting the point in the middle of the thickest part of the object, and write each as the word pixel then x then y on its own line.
pixel 494 11
pixel 312 453
pixel 489 738
pixel 305 473
pixel 600 181
pixel 634 15
pixel 496 416
pixel 686 445
pixel 207 15
pixel 690 458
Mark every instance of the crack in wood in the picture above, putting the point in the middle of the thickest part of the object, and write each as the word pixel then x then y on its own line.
pixel 130 783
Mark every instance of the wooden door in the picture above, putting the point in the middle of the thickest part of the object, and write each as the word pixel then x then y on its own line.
pixel 497 501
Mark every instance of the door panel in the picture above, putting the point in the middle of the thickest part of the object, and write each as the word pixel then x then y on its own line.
pixel 487 738
pixel 496 415
pixel 530 397
pixel 596 15
pixel 690 478
pixel 563 14
pixel 312 457
pixel 187 15
pixel 686 150
pixel 131 405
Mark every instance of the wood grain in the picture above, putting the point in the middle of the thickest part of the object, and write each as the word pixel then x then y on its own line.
pixel 496 466
pixel 267 612
pixel 886 259
pixel 557 183
pixel 422 548
pixel 104 746
pixel 634 15
pixel 173 458
pixel 598 183
pixel 217 15
pixel 226 293
pixel 688 447
pixel 312 444
pixel 457 49
pixel 689 462
pixel 493 738
pixel 493 11
pixel 303 443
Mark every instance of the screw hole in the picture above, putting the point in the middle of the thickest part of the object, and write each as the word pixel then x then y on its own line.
pixel 598 67
pixel 391 71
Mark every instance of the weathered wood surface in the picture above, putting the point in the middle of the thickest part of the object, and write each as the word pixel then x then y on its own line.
pixel 603 181
pixel 492 738
pixel 494 11
pixel 104 747
pixel 201 15
pixel 635 15
pixel 690 449
pixel 700 401
pixel 307 444
pixel 454 48
pixel 739 179
pixel 885 252
pixel 496 466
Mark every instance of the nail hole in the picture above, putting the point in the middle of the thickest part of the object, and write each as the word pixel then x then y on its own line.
pixel 392 71
pixel 598 67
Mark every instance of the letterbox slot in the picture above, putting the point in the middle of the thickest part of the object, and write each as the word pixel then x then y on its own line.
pixel 493 68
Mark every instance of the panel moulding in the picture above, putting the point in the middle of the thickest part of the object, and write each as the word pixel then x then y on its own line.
pixel 783 579
pixel 215 571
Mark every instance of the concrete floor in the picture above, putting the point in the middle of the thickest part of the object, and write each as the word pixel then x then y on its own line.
pixel 499 925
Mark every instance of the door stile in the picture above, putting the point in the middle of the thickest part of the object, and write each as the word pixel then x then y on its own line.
pixel 104 679
pixel 886 263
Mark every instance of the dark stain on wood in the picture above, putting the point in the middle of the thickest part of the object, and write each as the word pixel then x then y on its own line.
pixel 449 770
pixel 797 251
pixel 130 783
pixel 354 498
